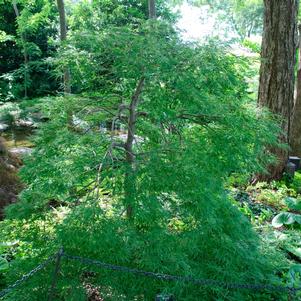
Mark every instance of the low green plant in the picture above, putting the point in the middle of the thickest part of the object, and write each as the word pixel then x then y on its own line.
pixel 271 197
pixel 292 203
pixel 238 180
pixel 296 183
pixel 253 46
pixel 9 113
pixel 286 218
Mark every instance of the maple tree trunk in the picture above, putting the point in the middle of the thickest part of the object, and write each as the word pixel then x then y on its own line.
pixel 276 85
pixel 130 178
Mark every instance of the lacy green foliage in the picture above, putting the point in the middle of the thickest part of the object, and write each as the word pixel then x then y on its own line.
pixel 98 14
pixel 195 127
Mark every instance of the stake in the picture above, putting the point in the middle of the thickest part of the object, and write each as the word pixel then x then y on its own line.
pixel 55 274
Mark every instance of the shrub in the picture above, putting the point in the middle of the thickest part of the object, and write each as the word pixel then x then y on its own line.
pixel 194 127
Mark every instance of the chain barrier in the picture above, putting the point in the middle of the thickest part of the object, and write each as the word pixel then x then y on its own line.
pixel 201 282
pixel 27 275
pixel 167 277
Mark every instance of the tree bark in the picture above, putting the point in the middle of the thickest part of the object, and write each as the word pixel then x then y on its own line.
pixel 130 180
pixel 130 176
pixel 25 54
pixel 152 9
pixel 278 54
pixel 295 134
pixel 63 37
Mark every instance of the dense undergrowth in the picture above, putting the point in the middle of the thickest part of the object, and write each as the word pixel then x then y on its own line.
pixel 274 209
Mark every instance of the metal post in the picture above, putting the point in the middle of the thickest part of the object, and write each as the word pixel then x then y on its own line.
pixel 55 274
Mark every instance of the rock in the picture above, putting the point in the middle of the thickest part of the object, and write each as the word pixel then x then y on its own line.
pixel 20 151
pixel 123 137
pixel 80 124
pixel 29 123
pixel 3 127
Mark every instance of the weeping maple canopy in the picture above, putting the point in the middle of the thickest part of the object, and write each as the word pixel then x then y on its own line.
pixel 193 127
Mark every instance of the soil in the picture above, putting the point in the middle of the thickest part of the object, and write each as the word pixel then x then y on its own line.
pixel 10 184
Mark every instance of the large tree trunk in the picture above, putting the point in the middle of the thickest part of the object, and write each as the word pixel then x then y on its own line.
pixel 295 134
pixel 63 36
pixel 278 54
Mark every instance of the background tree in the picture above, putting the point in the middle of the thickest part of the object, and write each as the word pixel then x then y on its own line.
pixel 37 21
pixel 25 54
pixel 63 36
pixel 243 17
pixel 152 9
pixel 278 57
pixel 10 54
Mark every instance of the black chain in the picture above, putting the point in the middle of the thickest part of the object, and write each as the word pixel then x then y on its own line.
pixel 27 275
pixel 201 282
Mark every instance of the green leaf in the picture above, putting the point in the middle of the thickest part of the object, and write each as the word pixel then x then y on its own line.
pixel 293 203
pixel 283 218
pixel 5 37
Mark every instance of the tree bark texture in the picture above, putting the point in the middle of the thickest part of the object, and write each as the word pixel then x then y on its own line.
pixel 63 37
pixel 130 177
pixel 295 134
pixel 278 55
